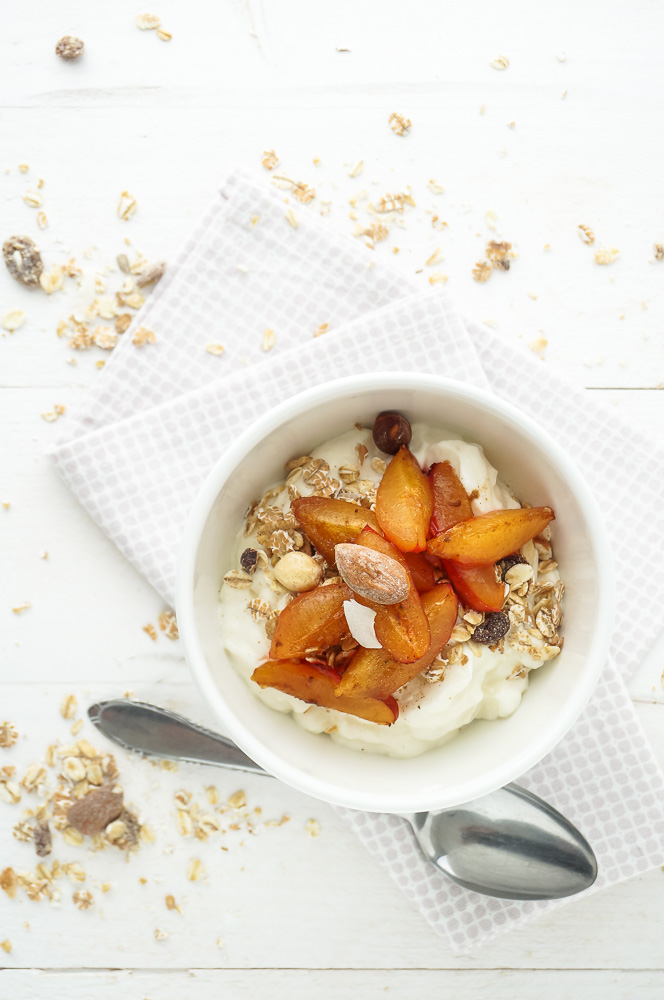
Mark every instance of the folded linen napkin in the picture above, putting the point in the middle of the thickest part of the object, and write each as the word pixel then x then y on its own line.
pixel 143 440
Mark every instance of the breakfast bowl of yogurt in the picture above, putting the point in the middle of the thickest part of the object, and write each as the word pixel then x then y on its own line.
pixel 395 592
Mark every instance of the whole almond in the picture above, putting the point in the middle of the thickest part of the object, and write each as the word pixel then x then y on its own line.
pixel 371 574
pixel 96 810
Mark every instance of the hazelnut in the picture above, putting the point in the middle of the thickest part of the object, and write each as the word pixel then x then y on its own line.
pixel 296 571
pixel 391 431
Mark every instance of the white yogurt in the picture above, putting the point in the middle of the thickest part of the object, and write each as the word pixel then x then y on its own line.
pixel 488 686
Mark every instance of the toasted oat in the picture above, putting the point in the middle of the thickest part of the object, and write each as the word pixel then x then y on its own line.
pixel 303 193
pixel 10 793
pixel 321 329
pixel 312 828
pixel 127 205
pixel 8 735
pixel 9 882
pixel 399 124
pixel 213 347
pixel 105 338
pixel 586 234
pixel 659 251
pixel 539 345
pixel 165 36
pixel 269 340
pixel 150 630
pixel 435 258
pixel 500 62
pixel 33 199
pixel 258 609
pixel 438 278
pixel 395 202
pixel 122 323
pixel 482 271
pixel 52 281
pixel 195 870
pixel 376 231
pixel 6 945
pixel 20 608
pixel 159 934
pixel 238 580
pixel 438 223
pixel 143 336
pixel 168 624
pixel 270 159
pixel 147 22
pixel 13 319
pixel 290 219
pixel 606 255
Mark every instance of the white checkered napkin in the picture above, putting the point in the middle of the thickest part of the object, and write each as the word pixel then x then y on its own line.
pixel 147 435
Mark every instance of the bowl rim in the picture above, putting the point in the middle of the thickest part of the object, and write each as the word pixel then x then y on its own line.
pixel 297 406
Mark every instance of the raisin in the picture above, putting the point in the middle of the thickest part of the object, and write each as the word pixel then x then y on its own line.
pixel 492 629
pixel 391 431
pixel 249 560
pixel 96 810
pixel 43 839
pixel 510 561
pixel 23 259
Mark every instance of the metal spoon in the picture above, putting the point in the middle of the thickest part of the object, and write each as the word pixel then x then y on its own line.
pixel 510 843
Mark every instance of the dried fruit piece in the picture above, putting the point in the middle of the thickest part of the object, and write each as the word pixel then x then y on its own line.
pixel 490 537
pixel 249 560
pixel 476 586
pixel 23 259
pixel 298 572
pixel 326 522
pixel 391 431
pixel 96 810
pixel 421 570
pixel 371 574
pixel 492 629
pixel 372 672
pixel 402 629
pixel 313 621
pixel 316 684
pixel 450 500
pixel 404 503
pixel 69 47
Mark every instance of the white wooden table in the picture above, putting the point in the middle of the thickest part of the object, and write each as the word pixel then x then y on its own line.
pixel 282 913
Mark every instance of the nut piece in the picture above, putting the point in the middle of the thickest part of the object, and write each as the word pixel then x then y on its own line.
pixel 371 574
pixel 69 47
pixel 43 839
pixel 23 259
pixel 296 571
pixel 151 274
pixel 391 431
pixel 492 629
pixel 96 810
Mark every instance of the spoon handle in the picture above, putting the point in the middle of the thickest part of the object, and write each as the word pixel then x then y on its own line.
pixel 144 728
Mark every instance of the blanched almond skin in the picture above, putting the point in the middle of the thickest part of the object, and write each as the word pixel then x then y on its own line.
pixel 371 574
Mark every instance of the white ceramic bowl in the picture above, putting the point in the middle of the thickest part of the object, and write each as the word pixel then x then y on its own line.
pixel 484 755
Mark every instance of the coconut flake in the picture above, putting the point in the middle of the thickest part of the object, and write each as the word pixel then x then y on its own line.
pixel 361 624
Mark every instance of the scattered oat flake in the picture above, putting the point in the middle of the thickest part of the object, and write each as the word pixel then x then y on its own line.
pixel 165 36
pixel 303 193
pixel 270 159
pixel 168 624
pixel 312 827
pixel 6 945
pixel 50 416
pixel 500 62
pixel 68 706
pixel 606 255
pixel 20 608
pixel 105 337
pixel 399 124
pixel 171 904
pixel 83 899
pixel 539 345
pixel 290 218
pixel 159 934
pixel 33 199
pixel 151 631
pixel 147 22
pixel 13 319
pixel 438 278
pixel 482 271
pixel 42 221
pixel 143 336
pixel 438 223
pixel 6 504
pixel 561 56
pixel 659 251
pixel 511 124
pixel 127 205
pixel 321 329
pixel 8 735
pixel 52 281
pixel 586 234
pixel 195 870
pixel 435 187
pixel 357 169
pixel 214 348
pixel 269 340
pixel 23 167
pixel 435 258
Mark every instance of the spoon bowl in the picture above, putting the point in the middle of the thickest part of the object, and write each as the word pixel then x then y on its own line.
pixel 509 843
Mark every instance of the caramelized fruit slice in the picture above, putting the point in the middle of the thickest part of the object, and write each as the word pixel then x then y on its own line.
pixel 402 629
pixel 314 620
pixel 421 571
pixel 490 537
pixel 450 500
pixel 372 672
pixel 327 522
pixel 404 503
pixel 476 586
pixel 316 684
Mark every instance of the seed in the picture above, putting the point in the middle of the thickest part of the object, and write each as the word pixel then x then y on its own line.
pixel 69 47
pixel 391 431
